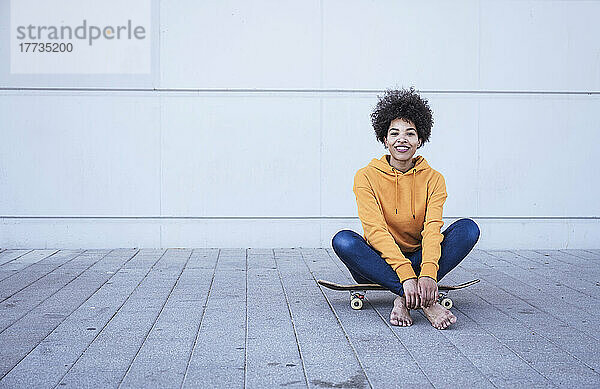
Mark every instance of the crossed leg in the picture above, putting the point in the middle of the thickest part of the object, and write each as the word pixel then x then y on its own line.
pixel 366 265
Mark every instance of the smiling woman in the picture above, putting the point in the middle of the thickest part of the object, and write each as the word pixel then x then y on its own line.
pixel 400 201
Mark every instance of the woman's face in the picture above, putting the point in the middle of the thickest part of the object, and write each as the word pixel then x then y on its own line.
pixel 402 140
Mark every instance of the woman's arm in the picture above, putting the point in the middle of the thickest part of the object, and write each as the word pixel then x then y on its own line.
pixel 375 227
pixel 432 237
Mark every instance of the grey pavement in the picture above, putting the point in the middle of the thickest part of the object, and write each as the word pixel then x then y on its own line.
pixel 256 318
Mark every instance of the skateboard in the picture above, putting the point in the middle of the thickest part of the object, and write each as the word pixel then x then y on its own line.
pixel 357 294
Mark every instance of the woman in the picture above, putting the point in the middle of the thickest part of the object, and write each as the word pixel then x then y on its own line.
pixel 400 201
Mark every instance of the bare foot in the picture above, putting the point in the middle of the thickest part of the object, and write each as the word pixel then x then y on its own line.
pixel 400 316
pixel 439 316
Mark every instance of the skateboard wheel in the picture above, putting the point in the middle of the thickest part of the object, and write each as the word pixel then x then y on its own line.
pixel 356 300
pixel 446 303
pixel 356 303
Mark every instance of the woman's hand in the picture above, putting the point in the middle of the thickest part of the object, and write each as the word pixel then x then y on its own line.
pixel 428 291
pixel 411 292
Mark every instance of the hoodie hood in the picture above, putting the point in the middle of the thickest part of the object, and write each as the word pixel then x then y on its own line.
pixel 382 165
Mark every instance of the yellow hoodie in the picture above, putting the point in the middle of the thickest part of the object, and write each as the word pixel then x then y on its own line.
pixel 402 212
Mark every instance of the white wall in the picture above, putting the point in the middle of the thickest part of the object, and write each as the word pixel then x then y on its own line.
pixel 256 116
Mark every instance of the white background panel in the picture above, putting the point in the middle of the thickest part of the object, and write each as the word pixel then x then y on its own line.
pixel 79 233
pixel 433 45
pixel 348 144
pixel 111 233
pixel 540 45
pixel 79 154
pixel 240 156
pixel 537 234
pixel 537 156
pixel 249 233
pixel 452 150
pixel 236 44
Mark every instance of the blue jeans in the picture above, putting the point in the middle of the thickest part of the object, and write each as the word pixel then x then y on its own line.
pixel 367 266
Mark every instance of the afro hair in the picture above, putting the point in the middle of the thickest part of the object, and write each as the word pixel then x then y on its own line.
pixel 402 104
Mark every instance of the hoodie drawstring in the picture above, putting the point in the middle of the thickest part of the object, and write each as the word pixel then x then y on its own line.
pixel 396 193
pixel 412 194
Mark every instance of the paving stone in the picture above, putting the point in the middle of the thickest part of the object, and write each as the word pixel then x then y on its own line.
pixel 19 262
pixel 558 332
pixel 219 347
pixel 569 375
pixel 22 302
pixel 328 357
pixel 37 323
pixel 76 331
pixel 163 358
pixel 582 254
pixel 126 331
pixel 7 256
pixel 20 280
pixel 272 356
pixel 539 350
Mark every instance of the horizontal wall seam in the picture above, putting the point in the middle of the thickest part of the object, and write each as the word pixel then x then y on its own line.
pixel 241 90
pixel 287 217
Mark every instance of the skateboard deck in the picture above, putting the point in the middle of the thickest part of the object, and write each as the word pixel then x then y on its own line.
pixel 357 296
pixel 335 286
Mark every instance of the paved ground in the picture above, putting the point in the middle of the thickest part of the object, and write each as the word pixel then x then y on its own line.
pixel 256 318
